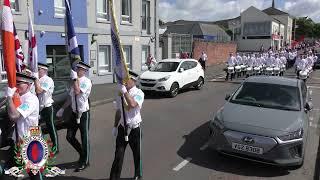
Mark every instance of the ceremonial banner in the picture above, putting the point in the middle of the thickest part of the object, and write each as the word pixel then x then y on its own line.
pixel 33 50
pixel 20 66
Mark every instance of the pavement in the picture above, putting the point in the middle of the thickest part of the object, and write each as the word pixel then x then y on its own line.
pixel 105 93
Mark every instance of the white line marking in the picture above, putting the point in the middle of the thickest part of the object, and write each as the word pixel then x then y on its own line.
pixel 205 146
pixel 311 118
pixel 182 164
pixel 314 87
pixel 310 124
pixel 316 109
pixel 313 125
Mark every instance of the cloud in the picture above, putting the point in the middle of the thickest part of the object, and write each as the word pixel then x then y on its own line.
pixel 213 10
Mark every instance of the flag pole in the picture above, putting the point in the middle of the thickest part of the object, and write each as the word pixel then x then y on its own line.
pixel 124 77
pixel 72 62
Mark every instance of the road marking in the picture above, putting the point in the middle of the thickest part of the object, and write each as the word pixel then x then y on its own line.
pixel 314 87
pixel 205 146
pixel 316 109
pixel 313 125
pixel 182 164
pixel 311 118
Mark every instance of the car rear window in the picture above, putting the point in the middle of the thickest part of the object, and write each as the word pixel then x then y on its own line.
pixel 268 95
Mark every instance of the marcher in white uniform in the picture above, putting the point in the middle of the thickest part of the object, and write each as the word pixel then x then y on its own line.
pixel 44 88
pixel 231 63
pixel 81 114
pixel 133 98
pixel 27 114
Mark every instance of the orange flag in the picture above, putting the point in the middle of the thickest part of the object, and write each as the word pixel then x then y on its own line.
pixel 8 44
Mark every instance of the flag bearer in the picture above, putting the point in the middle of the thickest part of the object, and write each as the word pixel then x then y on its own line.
pixel 81 89
pixel 27 114
pixel 134 98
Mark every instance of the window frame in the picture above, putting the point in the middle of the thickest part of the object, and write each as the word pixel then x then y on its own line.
pixel 129 62
pixel 147 17
pixel 15 10
pixel 107 13
pixel 148 52
pixel 59 8
pixel 129 21
pixel 109 71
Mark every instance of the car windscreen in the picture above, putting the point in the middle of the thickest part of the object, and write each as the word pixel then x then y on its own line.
pixel 165 67
pixel 268 96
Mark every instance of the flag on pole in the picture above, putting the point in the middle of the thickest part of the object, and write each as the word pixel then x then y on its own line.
pixel 20 66
pixel 120 69
pixel 32 49
pixel 71 39
pixel 9 47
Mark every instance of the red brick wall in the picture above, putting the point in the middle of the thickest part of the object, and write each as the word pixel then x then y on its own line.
pixel 217 52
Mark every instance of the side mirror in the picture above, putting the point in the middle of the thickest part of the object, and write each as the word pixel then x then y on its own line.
pixel 181 70
pixel 308 106
pixel 227 97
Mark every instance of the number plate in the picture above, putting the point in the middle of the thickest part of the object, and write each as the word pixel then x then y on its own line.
pixel 246 148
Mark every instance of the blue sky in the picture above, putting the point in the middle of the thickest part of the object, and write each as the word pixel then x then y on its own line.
pixel 213 10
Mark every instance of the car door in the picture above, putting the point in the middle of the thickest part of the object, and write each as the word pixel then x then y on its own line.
pixel 194 71
pixel 184 75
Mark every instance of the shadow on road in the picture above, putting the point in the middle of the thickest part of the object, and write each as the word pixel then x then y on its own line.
pixel 163 95
pixel 69 165
pixel 209 158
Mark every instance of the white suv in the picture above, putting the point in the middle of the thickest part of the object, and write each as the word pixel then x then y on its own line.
pixel 170 75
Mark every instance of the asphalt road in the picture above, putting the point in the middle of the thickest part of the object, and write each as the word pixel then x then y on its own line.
pixel 175 132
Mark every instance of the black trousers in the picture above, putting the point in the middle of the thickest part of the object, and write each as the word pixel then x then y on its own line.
pixel 203 64
pixel 47 115
pixel 121 144
pixel 84 148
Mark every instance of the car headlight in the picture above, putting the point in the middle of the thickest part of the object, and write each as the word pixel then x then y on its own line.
pixel 164 79
pixel 217 120
pixel 291 136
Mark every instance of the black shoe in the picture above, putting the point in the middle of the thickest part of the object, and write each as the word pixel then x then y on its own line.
pixel 81 168
pixel 138 178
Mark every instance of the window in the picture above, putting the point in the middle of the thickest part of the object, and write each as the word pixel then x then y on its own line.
pixel 128 54
pixel 2 68
pixel 102 10
pixel 144 55
pixel 126 11
pixel 146 16
pixel 104 58
pixel 59 8
pixel 14 4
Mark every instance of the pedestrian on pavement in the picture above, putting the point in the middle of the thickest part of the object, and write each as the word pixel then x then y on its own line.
pixel 44 87
pixel 204 59
pixel 80 108
pixel 26 115
pixel 151 61
pixel 133 98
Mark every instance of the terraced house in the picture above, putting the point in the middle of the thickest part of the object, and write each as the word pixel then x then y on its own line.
pixel 137 24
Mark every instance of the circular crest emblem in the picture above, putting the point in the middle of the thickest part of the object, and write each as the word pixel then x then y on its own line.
pixel 35 152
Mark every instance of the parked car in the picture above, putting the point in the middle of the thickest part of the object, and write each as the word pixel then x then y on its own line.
pixel 264 120
pixel 171 75
pixel 60 94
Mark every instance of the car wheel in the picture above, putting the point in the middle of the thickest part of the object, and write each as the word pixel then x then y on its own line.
pixel 174 90
pixel 200 83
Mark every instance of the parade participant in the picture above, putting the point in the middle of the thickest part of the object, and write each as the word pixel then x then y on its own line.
pixel 44 88
pixel 231 63
pixel 134 98
pixel 300 64
pixel 81 90
pixel 27 114
pixel 204 59
pixel 283 65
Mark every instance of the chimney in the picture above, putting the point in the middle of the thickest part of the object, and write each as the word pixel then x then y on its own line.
pixel 273 3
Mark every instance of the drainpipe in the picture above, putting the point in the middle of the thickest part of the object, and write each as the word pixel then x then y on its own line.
pixel 156 29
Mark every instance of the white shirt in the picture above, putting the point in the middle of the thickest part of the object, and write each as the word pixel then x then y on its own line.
pixel 133 116
pixel 239 60
pixel 231 61
pixel 283 60
pixel 45 98
pixel 204 57
pixel 29 110
pixel 82 98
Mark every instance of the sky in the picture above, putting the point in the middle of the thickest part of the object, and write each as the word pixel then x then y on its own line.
pixel 214 10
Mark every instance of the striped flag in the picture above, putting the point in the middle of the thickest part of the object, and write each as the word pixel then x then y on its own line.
pixel 32 49
pixel 20 66
pixel 71 39
pixel 120 69
pixel 9 47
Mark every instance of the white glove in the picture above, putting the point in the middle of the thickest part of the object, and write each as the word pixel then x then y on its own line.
pixel 114 131
pixel 10 91
pixel 60 112
pixel 122 88
pixel 36 75
pixel 73 75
